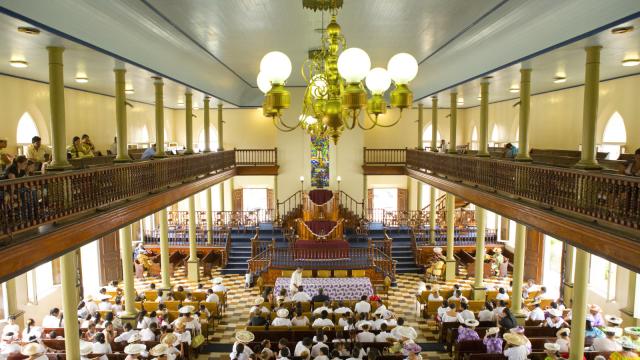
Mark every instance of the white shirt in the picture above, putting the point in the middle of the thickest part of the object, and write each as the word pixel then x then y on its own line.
pixel 377 323
pixel 15 329
pixel 322 308
pixel 301 296
pixel 516 353
pixel 383 335
pixel 537 314
pixel 319 322
pixel 359 324
pixel 366 336
pixel 605 345
pixel 564 345
pixel 432 297
pixel 395 331
pixel 466 315
pixel 92 307
pixel 281 322
pixel 102 349
pixel 104 306
pixel 299 349
pixel 342 322
pixel 219 288
pixel 147 335
pixel 315 349
pixel 342 310
pixel 50 321
pixel 296 279
pixel 442 311
pixel 212 298
pixel 263 309
pixel 381 309
pixel 486 315
pixel 125 336
pixel 504 296
pixel 362 307
pixel 34 331
pixel 185 337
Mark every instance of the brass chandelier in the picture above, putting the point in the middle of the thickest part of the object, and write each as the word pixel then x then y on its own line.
pixel 336 76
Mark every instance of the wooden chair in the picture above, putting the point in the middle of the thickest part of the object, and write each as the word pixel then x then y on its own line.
pixel 195 304
pixel 199 296
pixel 324 273
pixel 172 305
pixel 358 273
pixel 287 273
pixel 150 306
pixel 339 273
pixel 151 295
pixel 179 295
pixel 307 273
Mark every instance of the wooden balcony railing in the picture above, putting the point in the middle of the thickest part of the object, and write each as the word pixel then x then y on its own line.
pixel 29 202
pixel 600 196
pixel 384 156
pixel 256 157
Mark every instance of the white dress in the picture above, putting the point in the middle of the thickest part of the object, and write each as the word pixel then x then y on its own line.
pixel 296 280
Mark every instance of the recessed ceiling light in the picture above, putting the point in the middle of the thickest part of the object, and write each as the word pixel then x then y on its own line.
pixel 514 89
pixel 19 63
pixel 129 91
pixel 559 79
pixel 622 30
pixel 630 62
pixel 28 30
pixel 82 79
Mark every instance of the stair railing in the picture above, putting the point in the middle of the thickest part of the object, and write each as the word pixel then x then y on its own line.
pixel 260 263
pixel 350 204
pixel 383 262
pixel 289 209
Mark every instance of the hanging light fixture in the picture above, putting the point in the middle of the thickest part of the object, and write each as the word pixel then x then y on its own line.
pixel 336 77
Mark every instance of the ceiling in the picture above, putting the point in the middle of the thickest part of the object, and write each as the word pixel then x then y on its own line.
pixel 214 46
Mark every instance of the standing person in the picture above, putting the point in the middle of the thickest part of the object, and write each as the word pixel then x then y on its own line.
pixel 36 151
pixel 296 281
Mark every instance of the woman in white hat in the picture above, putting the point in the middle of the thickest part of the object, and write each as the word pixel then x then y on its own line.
pixel 258 306
pixel 555 319
pixel 160 351
pixel 633 334
pixel 282 319
pixel 563 340
pixel 492 341
pixel 595 315
pixel 217 285
pixel 552 351
pixel 628 351
pixel 468 332
pixel 134 351
pixel 516 347
pixel 34 351
pixel 170 340
pixel 243 337
pixel 614 321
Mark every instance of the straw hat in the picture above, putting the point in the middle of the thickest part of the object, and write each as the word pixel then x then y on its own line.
pixel 135 337
pixel 514 339
pixel 471 322
pixel 492 330
pixel 217 280
pixel 610 330
pixel 632 330
pixel 282 313
pixel 169 339
pixel 32 349
pixel 186 309
pixel 594 307
pixel 159 350
pixel 497 250
pixel 517 330
pixel 85 348
pixel 552 346
pixel 613 319
pixel 563 332
pixel 244 336
pixel 627 344
pixel 405 332
pixel 411 348
pixel 134 349
pixel 88 298
pixel 437 250
pixel 258 300
pixel 555 312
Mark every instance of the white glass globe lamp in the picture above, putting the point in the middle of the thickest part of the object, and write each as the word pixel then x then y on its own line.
pixel 402 68
pixel 263 83
pixel 276 67
pixel 353 65
pixel 378 81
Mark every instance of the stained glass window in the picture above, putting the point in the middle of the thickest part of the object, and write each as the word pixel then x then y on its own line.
pixel 319 162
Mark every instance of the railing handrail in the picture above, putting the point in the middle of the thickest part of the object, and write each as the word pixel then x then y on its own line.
pixel 336 226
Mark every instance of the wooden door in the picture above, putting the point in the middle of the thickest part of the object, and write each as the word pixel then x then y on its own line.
pixel 110 262
pixel 236 204
pixel 534 253
pixel 403 200
pixel 370 198
pixel 270 199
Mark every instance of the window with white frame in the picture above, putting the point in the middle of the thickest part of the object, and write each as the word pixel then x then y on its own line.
pixel 474 139
pixel 495 136
pixel 602 277
pixel 614 137
pixel 90 268
pixel 385 198
pixel 213 139
pixel 254 199
pixel 552 262
pixel 27 129
pixel 426 137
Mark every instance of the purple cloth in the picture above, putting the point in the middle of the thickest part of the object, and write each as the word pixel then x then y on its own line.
pixel 493 344
pixel 466 334
pixel 320 197
pixel 335 288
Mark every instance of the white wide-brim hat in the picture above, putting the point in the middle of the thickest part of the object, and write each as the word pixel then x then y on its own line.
pixel 613 319
pixel 552 346
pixel 594 307
pixel 437 250
pixel 32 349
pixel 565 332
pixel 217 280
pixel 632 330
pixel 283 313
pixel 492 330
pixel 103 297
pixel 135 337
pixel 514 339
pixel 471 322
pixel 245 336
pixel 627 344
pixel 134 349
pixel 186 309
pixel 258 301
pixel 405 332
pixel 555 312
pixel 88 298
pixel 159 350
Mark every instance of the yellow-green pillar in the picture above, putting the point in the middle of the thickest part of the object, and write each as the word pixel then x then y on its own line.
pixel 579 302
pixel 158 84
pixel 193 273
pixel 567 282
pixel 450 272
pixel 590 109
pixel 483 138
pixel 221 192
pixel 126 256
pixel 209 216
pixel 629 310
pixel 188 110
pixel 479 292
pixel 11 296
pixel 220 128
pixel 121 115
pixel 70 304
pixel 434 123
pixel 164 251
pixel 420 125
pixel 432 214
pixel 525 108
pixel 453 120
pixel 207 130
pixel 518 271
pixel 56 100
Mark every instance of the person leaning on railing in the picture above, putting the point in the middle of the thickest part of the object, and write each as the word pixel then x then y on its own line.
pixel 632 167
pixel 77 150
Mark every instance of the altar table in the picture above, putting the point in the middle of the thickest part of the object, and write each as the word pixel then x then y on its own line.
pixel 335 288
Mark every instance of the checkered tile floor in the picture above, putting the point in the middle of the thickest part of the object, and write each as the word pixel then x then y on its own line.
pixel 401 301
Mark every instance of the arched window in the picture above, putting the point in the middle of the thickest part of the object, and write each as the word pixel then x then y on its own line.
pixel 426 137
pixel 27 129
pixel 474 139
pixel 495 136
pixel 614 137
pixel 213 139
pixel 516 140
pixel 143 136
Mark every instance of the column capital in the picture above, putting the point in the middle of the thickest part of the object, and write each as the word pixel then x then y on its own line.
pixel 157 80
